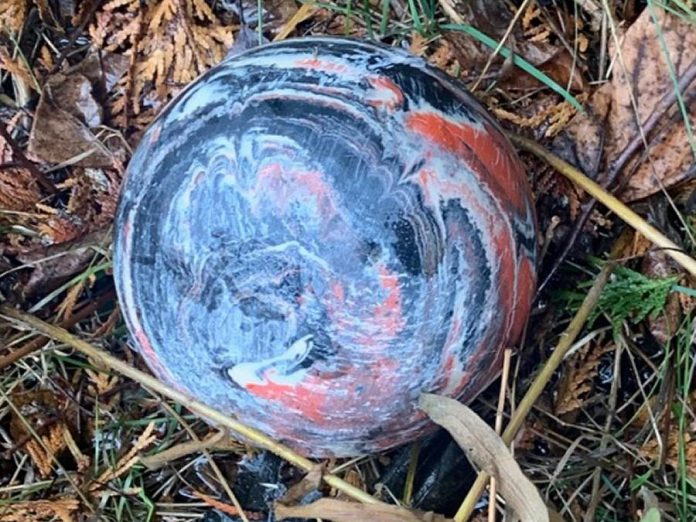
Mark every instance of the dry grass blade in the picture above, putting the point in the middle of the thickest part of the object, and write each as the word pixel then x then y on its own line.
pixel 544 376
pixel 488 451
pixel 302 14
pixel 614 204
pixel 341 511
pixel 106 360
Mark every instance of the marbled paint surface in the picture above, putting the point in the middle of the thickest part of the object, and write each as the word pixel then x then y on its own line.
pixel 315 232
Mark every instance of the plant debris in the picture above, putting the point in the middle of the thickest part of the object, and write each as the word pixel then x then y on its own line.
pixel 639 107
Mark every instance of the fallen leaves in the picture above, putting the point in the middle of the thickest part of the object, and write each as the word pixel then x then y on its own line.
pixel 640 103
pixel 169 44
pixel 487 450
pixel 678 446
pixel 343 511
pixel 63 123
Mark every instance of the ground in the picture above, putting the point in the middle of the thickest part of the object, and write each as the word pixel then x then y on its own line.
pixel 606 86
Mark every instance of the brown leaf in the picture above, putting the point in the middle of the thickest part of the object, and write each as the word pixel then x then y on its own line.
pixel 651 450
pixel 55 264
pixel 102 69
pixel 18 189
pixel 341 511
pixel 61 130
pixel 641 70
pixel 487 450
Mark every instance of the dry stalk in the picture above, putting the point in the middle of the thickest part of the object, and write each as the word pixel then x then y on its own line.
pixel 107 360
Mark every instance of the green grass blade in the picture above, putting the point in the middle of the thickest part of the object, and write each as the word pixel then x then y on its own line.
pixel 517 60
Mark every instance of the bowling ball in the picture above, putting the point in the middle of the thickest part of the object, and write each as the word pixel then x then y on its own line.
pixel 315 232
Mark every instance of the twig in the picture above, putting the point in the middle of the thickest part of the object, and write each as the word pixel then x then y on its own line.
pixel 79 30
pixel 158 460
pixel 499 426
pixel 613 203
pixel 109 361
pixel 589 515
pixel 38 343
pixel 411 473
pixel 544 376
pixel 216 469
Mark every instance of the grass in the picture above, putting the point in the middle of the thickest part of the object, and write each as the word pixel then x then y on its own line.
pixel 564 451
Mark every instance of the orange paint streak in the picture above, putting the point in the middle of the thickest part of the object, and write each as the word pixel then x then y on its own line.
pixel 303 397
pixel 489 146
pixel 152 360
pixel 505 255
pixel 387 314
pixel 297 186
pixel 387 94
pixel 318 64
pixel 338 291
pixel 526 282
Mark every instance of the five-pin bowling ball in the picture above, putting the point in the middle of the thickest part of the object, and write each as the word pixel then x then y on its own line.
pixel 317 231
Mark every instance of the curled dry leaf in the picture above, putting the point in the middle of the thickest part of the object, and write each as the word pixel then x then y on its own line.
pixel 641 70
pixel 61 131
pixel 342 511
pixel 487 450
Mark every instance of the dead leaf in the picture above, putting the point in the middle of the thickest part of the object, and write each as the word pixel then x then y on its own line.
pixel 18 189
pixel 170 43
pixel 419 44
pixel 640 69
pixel 487 450
pixel 53 265
pixel 652 450
pixel 102 69
pixel 61 129
pixel 341 511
